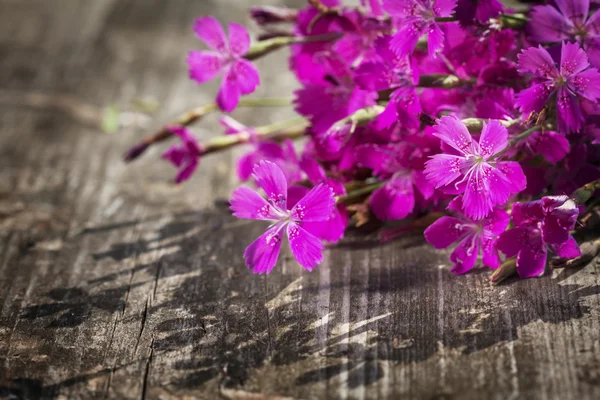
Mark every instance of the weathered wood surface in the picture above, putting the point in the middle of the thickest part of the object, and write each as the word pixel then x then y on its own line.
pixel 116 284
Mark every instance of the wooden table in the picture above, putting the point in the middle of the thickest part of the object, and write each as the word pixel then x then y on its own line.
pixel 115 283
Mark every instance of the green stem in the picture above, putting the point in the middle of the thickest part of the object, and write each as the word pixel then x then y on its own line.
pixel 195 114
pixel 289 129
pixel 264 47
pixel 516 140
pixel 475 125
pixel 445 19
pixel 358 193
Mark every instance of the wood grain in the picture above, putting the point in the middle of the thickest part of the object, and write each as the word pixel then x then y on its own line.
pixel 116 284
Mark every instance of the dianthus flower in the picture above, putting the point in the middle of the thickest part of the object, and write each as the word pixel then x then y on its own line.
pixel 570 20
pixel 415 18
pixel 540 225
pixel 317 205
pixel 571 83
pixel 468 166
pixel 186 155
pixel 240 76
pixel 473 237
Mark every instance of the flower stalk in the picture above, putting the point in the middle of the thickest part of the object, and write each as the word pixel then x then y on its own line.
pixel 264 47
pixel 196 114
pixel 290 129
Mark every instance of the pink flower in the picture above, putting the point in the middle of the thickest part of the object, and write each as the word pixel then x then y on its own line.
pixel 468 166
pixel 317 205
pixel 473 237
pixel 283 154
pixel 240 76
pixel 389 71
pixel 404 185
pixel 481 10
pixel 336 98
pixel 539 225
pixel 185 156
pixel 570 20
pixel 416 18
pixel 572 83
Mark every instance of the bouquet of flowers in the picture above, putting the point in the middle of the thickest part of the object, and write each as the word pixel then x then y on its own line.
pixel 476 123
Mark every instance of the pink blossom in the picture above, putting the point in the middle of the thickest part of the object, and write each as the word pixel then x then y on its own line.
pixel 568 20
pixel 572 83
pixel 316 206
pixel 540 225
pixel 473 237
pixel 468 167
pixel 240 76
pixel 416 18
pixel 186 155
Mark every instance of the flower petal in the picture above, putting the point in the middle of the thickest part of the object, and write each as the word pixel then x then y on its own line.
pixel 186 170
pixel 239 39
pixel 573 59
pixel 209 30
pixel 586 84
pixel 443 169
pixel 331 230
pixel 514 173
pixel 445 231
pixel 568 249
pixel 316 205
pixel 552 145
pixel 494 137
pixel 486 188
pixel 454 133
pixel 574 10
pixel 496 222
pixel 550 25
pixel 405 40
pixel 261 256
pixel 246 76
pixel 204 65
pixel 272 180
pixel 305 247
pixel 553 232
pixel 533 98
pixel 537 60
pixel 531 261
pixel 464 255
pixel 490 252
pixel 247 203
pixel 512 241
pixel 435 40
pixel 229 92
pixel 570 118
pixel 395 200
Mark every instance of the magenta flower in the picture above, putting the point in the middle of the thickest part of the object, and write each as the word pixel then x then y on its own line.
pixel 333 229
pixel 390 71
pixel 185 156
pixel 416 18
pixel 480 10
pixel 334 99
pixel 473 237
pixel 468 166
pixel 283 154
pixel 540 225
pixel 317 205
pixel 403 186
pixel 570 21
pixel 574 82
pixel 240 76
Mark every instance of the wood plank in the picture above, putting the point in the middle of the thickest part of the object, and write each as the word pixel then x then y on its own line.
pixel 116 284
